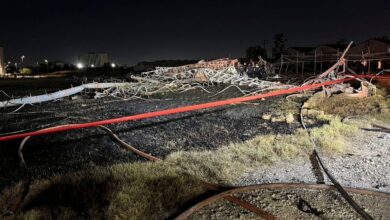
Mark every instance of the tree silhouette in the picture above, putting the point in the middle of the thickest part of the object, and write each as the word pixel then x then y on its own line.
pixel 279 45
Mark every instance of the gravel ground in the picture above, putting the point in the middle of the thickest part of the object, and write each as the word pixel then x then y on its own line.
pixel 289 204
pixel 366 164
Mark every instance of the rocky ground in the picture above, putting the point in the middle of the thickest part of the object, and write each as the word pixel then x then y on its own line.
pixel 366 164
pixel 296 204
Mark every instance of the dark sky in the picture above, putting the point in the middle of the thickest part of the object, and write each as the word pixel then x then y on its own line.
pixel 131 31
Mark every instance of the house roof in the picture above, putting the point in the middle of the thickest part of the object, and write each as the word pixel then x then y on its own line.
pixel 336 46
pixel 302 49
pixel 386 41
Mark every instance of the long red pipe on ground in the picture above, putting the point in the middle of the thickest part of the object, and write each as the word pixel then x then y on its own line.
pixel 182 109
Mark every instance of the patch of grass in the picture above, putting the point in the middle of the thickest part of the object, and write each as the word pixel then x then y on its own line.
pixel 151 190
pixel 142 190
pixel 226 164
pixel 154 190
pixel 331 137
pixel 344 106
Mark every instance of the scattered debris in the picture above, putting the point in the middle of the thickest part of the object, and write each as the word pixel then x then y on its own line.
pixel 161 80
pixel 59 94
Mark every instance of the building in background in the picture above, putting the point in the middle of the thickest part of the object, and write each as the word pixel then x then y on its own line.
pixel 371 47
pixel 370 56
pixel 93 59
pixel 2 68
pixel 298 51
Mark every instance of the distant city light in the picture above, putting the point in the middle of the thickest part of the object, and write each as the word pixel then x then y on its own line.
pixel 92 65
pixel 80 66
pixel 113 65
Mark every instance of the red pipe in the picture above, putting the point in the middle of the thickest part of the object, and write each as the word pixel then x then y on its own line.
pixel 179 109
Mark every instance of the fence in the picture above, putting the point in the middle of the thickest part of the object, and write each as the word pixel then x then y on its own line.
pixel 315 63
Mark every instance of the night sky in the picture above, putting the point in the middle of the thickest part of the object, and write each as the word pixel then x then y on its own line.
pixel 132 31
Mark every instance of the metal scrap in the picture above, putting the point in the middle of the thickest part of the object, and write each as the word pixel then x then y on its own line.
pixel 161 80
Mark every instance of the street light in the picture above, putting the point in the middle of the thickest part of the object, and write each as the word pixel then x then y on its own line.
pixel 79 65
pixel 22 58
pixel 113 65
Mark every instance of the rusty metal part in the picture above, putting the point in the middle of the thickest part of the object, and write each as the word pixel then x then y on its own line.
pixel 248 206
pixel 198 206
pixel 127 146
pixel 244 204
